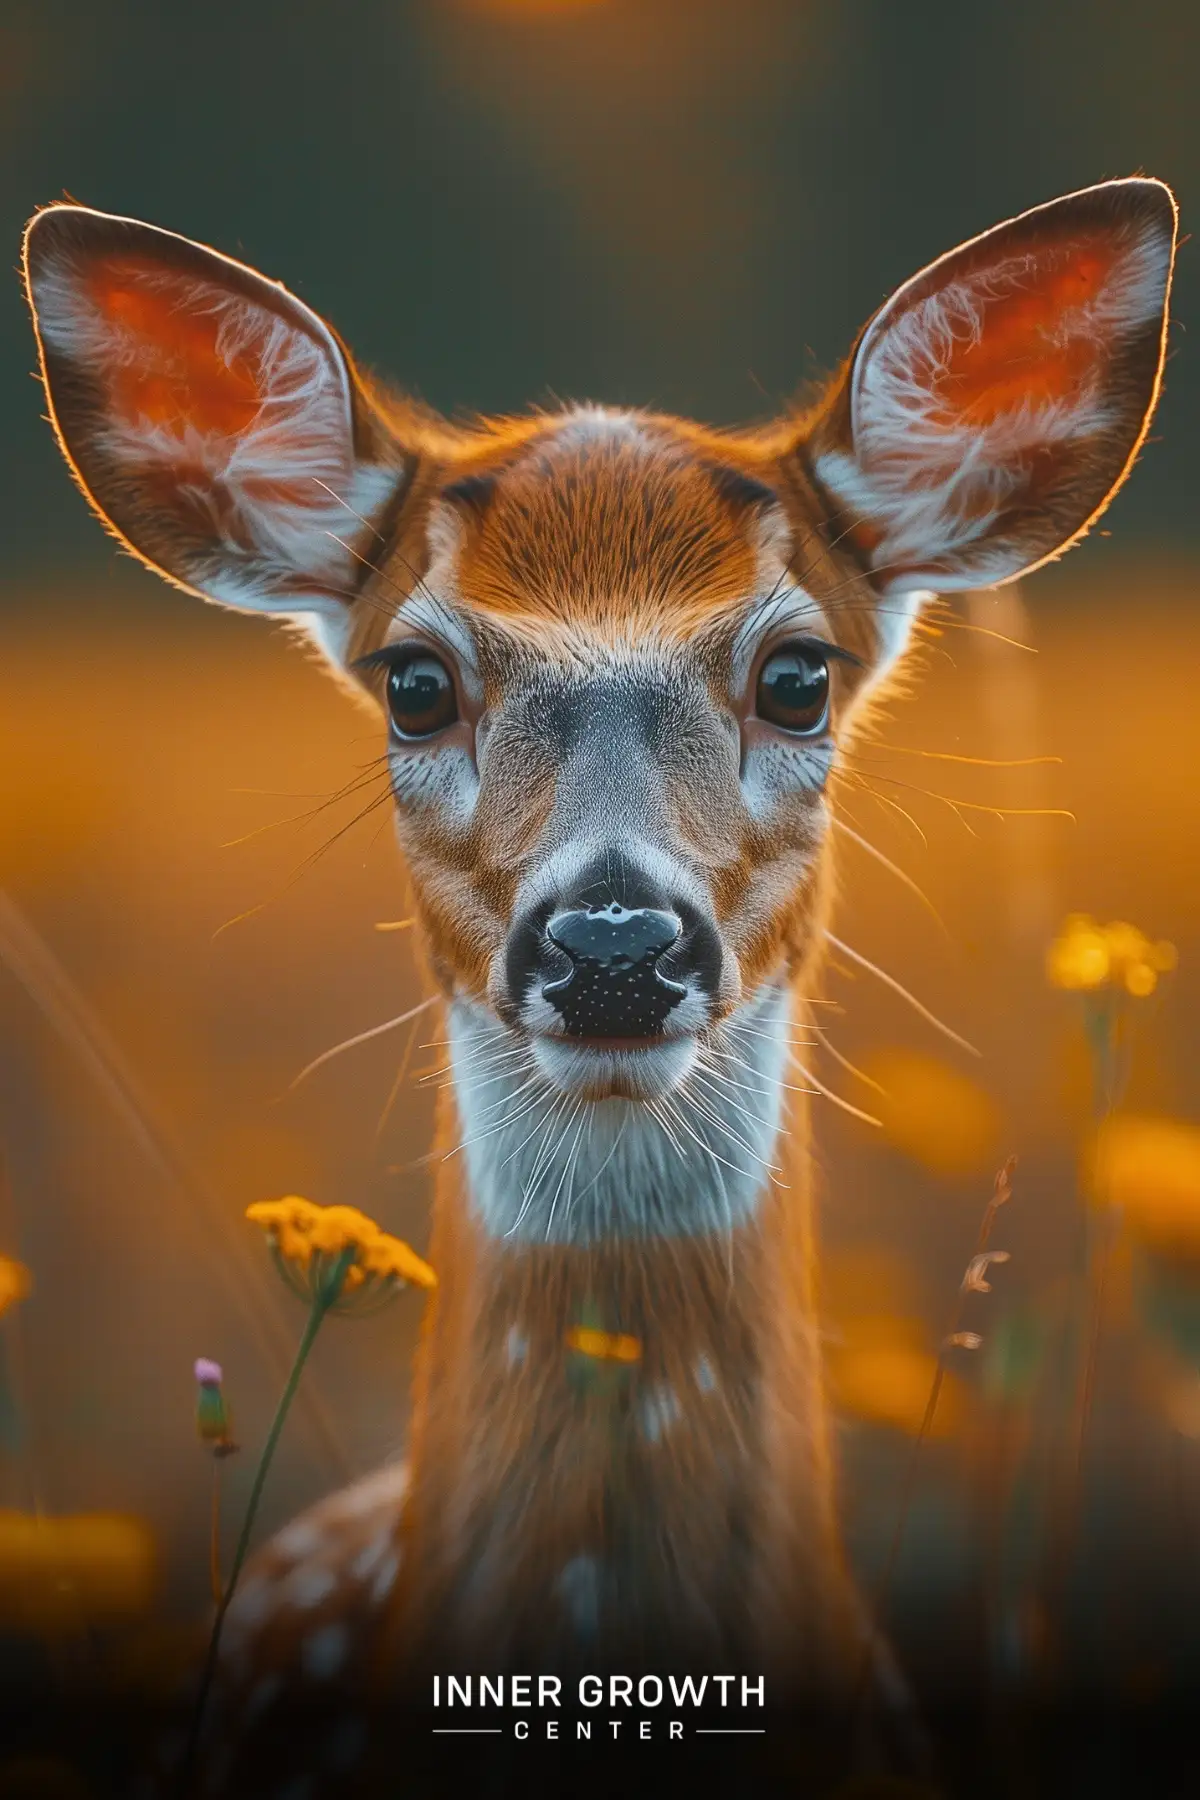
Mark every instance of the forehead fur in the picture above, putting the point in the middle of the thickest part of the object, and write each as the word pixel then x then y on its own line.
pixel 616 521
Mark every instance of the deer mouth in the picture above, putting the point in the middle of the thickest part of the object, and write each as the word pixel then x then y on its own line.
pixel 641 1068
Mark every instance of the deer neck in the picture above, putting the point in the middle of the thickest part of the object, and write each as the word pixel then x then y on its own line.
pixel 619 1443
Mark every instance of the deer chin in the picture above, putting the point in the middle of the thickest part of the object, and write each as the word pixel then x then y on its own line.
pixel 616 1068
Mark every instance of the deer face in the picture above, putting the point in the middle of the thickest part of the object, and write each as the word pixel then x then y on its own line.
pixel 613 708
pixel 618 654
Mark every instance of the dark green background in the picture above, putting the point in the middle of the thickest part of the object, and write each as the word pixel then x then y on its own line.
pixel 688 203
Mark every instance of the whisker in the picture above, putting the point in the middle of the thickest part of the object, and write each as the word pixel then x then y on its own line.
pixel 504 1124
pixel 954 802
pixel 363 1037
pixel 570 1162
pixel 615 1146
pixel 714 1081
pixel 897 987
pixel 854 1111
pixel 981 762
pixel 398 1083
pixel 854 1069
pixel 860 785
pixel 651 1108
pixel 893 868
pixel 746 1174
pixel 542 1162
pixel 355 785
pixel 790 1087
pixel 703 1108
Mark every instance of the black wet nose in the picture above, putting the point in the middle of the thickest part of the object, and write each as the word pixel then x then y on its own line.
pixel 613 987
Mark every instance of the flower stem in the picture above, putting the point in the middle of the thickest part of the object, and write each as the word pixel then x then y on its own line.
pixel 214 1534
pixel 1000 1196
pixel 325 1293
pixel 1105 1037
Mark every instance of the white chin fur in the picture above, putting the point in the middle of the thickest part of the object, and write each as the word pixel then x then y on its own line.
pixel 588 1073
pixel 686 1155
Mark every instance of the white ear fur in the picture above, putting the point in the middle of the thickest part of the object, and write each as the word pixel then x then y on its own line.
pixel 260 510
pixel 934 490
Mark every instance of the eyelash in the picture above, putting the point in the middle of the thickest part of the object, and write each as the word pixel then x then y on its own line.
pixel 805 641
pixel 388 658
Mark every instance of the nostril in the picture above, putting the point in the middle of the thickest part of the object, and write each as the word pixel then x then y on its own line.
pixel 614 936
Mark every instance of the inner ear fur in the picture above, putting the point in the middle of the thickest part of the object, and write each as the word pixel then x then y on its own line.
pixel 213 420
pixel 996 402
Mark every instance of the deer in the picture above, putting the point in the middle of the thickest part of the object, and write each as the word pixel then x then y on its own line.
pixel 616 656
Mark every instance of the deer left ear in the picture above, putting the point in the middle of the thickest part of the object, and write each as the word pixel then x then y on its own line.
pixel 213 420
pixel 996 402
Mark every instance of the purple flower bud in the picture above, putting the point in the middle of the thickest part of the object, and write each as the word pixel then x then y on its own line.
pixel 207 1373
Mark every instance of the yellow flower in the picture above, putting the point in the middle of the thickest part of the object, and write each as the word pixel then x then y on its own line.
pixel 934 1113
pixel 58 1574
pixel 1150 1169
pixel 1086 956
pixel 605 1346
pixel 391 1258
pixel 309 1241
pixel 15 1283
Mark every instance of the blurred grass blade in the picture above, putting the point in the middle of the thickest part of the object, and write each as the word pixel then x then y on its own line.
pixel 47 983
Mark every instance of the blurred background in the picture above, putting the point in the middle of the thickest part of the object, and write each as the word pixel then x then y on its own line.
pixel 693 206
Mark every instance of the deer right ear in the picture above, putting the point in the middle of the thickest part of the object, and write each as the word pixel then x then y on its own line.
pixel 996 402
pixel 214 422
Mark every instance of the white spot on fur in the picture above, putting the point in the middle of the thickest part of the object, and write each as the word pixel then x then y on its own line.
pixel 370 1557
pixel 251 1605
pixel 706 1376
pixel 516 1346
pixel 324 1652
pixel 660 1409
pixel 306 1587
pixel 578 1586
pixel 383 1583
pixel 382 1490
pixel 300 1539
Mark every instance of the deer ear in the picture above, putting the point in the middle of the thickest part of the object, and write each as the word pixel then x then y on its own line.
pixel 213 420
pixel 994 405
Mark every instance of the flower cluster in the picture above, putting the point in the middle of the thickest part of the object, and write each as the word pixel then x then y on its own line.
pixel 1087 956
pixel 336 1255
pixel 1149 1168
pixel 69 1572
pixel 15 1282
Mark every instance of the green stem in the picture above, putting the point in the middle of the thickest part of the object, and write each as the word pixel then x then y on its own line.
pixel 325 1292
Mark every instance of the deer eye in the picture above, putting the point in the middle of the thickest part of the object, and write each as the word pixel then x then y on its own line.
pixel 793 689
pixel 420 694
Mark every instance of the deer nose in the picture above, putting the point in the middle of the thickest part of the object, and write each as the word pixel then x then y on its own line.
pixel 613 987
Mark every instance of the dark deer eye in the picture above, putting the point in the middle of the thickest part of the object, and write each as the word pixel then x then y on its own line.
pixel 420 695
pixel 793 689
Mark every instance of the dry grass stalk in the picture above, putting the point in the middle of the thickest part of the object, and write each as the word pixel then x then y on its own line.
pixel 48 985
pixel 974 1281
